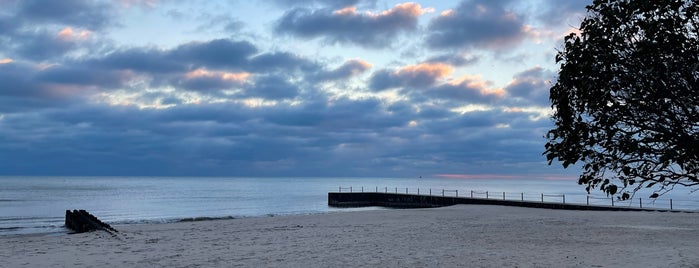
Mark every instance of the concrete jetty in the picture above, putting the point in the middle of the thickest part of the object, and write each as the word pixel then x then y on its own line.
pixel 400 200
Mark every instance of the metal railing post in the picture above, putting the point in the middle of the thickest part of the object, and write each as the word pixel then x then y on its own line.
pixel 522 197
pixel 564 199
pixel 442 192
pixel 350 189
pixel 418 191
pixel 670 204
pixel 640 203
pixel 542 198
pixel 406 190
pixel 486 194
pixel 457 193
pixel 588 201
pixel 612 201
pixel 339 189
pixel 396 189
pixel 471 193
pixel 503 196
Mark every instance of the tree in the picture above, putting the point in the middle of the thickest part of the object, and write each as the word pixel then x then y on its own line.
pixel 626 101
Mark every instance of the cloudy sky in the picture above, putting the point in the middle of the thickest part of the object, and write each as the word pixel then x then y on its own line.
pixel 279 87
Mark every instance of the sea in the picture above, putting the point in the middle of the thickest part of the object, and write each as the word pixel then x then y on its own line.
pixel 37 205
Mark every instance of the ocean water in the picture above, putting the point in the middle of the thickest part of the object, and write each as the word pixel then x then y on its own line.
pixel 37 205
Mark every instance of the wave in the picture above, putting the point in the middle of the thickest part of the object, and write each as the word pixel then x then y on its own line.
pixel 193 219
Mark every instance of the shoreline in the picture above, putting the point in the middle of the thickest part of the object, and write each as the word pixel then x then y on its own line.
pixel 462 235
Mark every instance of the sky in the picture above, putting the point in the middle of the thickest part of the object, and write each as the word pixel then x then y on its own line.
pixel 343 88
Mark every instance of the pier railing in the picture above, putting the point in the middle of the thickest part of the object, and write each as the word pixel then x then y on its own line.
pixel 588 200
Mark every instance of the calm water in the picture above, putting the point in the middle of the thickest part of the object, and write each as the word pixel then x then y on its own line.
pixel 38 204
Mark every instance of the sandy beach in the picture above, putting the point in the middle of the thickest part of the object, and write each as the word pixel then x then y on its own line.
pixel 458 236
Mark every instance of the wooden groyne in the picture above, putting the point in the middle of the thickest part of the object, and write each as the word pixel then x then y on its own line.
pixel 82 221
pixel 400 200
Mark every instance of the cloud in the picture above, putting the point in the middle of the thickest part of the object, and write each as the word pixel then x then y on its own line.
pixel 214 54
pixel 531 86
pixel 142 59
pixel 563 13
pixel 419 75
pixel 207 81
pixel 233 107
pixel 272 88
pixel 326 3
pixel 92 15
pixel 455 59
pixel 46 30
pixel 42 45
pixel 348 26
pixel 220 53
pixel 282 62
pixel 346 70
pixel 466 89
pixel 476 24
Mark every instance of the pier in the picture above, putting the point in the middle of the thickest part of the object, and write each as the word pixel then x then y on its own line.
pixel 411 200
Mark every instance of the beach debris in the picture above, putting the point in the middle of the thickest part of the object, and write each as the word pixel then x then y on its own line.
pixel 82 221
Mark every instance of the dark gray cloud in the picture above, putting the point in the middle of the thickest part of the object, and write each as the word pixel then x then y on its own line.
pixel 318 137
pixel 282 62
pixel 219 53
pixel 272 88
pixel 531 86
pixel 79 75
pixel 469 90
pixel 323 3
pixel 215 54
pixel 39 46
pixel 476 24
pixel 347 26
pixel 43 30
pixel 92 15
pixel 348 69
pixel 455 59
pixel 148 60
pixel 412 76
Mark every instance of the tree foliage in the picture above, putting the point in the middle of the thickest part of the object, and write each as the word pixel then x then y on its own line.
pixel 626 99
